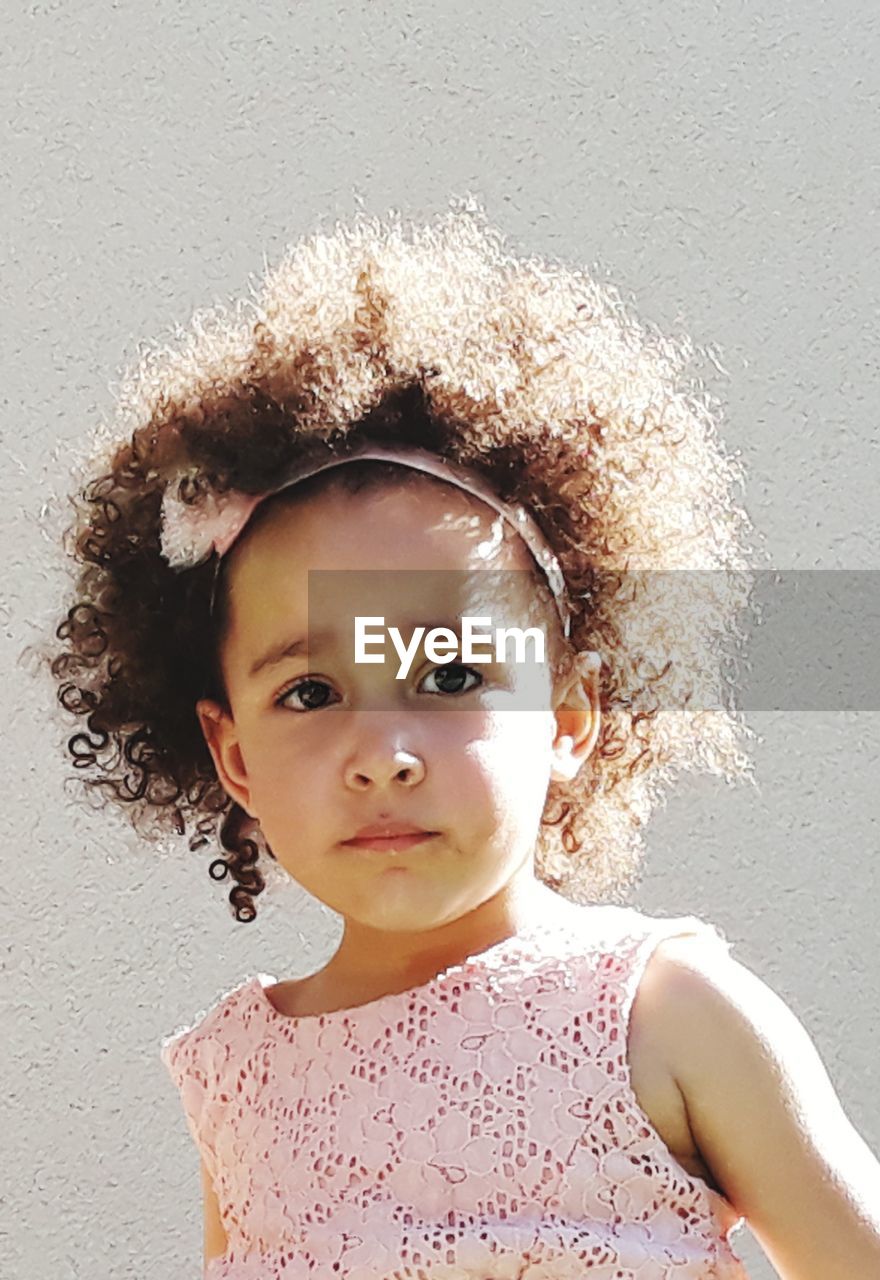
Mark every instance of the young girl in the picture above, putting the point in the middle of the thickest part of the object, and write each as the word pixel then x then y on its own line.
pixel 503 1071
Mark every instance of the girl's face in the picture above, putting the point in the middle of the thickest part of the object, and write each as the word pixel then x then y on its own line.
pixel 320 745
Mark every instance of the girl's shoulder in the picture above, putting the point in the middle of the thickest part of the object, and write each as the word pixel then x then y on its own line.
pixel 627 930
pixel 612 947
pixel 212 1025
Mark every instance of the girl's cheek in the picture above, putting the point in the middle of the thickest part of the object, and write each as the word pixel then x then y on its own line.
pixel 519 749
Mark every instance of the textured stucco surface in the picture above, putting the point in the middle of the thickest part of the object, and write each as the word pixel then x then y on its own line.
pixel 721 163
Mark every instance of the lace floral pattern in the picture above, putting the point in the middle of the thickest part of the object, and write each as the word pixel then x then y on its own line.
pixel 480 1125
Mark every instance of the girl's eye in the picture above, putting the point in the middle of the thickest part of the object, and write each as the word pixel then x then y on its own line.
pixel 452 674
pixel 313 692
pixel 306 688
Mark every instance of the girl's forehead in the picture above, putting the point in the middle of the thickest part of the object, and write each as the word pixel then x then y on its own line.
pixel 426 525
pixel 414 559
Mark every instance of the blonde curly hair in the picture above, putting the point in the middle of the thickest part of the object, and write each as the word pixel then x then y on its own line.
pixel 524 368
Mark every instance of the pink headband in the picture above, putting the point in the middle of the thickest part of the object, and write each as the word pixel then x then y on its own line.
pixel 189 533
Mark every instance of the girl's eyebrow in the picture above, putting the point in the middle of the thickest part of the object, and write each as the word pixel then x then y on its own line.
pixel 285 649
pixel 294 648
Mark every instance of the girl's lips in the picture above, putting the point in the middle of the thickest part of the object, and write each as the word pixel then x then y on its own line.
pixel 381 843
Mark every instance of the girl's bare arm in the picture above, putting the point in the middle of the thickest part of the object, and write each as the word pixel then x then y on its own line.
pixel 764 1114
pixel 215 1236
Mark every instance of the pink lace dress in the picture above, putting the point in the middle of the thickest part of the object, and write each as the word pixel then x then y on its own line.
pixel 479 1125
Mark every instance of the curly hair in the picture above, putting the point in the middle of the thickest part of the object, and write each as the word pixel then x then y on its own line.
pixel 525 369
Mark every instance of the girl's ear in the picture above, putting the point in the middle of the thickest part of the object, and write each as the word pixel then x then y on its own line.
pixel 576 710
pixel 218 729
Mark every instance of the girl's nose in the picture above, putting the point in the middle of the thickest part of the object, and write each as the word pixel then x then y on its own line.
pixel 396 765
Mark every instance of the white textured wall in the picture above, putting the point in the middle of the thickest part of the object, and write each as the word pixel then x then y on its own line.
pixel 720 162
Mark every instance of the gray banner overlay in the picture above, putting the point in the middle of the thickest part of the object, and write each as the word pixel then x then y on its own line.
pixel 768 640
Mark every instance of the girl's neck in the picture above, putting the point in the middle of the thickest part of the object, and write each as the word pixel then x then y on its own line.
pixel 371 961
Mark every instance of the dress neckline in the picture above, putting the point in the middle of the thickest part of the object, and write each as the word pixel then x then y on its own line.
pixel 492 957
